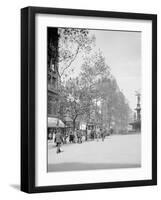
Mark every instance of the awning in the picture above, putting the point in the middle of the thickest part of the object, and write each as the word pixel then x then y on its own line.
pixel 55 122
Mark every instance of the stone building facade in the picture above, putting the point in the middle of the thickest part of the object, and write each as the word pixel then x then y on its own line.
pixel 52 72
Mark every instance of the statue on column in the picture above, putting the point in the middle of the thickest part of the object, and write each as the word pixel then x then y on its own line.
pixel 138 108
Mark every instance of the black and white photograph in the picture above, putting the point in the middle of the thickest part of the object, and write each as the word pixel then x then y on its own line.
pixel 89 99
pixel 94 99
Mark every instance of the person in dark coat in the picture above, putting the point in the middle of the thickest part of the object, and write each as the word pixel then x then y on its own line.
pixel 71 137
pixel 58 140
pixel 103 134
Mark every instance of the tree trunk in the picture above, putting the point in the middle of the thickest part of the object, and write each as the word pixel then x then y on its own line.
pixel 74 122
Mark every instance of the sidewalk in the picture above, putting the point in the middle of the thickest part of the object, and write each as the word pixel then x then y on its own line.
pixel 117 151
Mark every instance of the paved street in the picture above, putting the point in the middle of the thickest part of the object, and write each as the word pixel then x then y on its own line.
pixel 117 151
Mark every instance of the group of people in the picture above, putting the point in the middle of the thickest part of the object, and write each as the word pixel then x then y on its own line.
pixel 97 134
pixel 74 137
pixel 77 135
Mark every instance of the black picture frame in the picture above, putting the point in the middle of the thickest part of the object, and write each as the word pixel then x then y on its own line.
pixel 28 98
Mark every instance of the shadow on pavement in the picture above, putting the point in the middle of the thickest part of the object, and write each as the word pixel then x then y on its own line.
pixel 88 166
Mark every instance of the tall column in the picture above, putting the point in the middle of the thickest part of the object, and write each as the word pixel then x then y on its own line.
pixel 138 108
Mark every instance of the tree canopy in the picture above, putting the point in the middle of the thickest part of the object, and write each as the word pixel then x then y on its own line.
pixel 94 92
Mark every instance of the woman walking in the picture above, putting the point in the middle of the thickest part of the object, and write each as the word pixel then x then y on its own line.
pixel 58 140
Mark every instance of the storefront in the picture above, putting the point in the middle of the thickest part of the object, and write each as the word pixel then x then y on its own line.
pixel 53 125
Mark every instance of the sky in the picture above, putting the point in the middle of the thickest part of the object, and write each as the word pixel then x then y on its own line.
pixel 122 52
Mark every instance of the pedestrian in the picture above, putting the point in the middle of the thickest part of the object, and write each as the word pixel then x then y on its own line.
pixel 79 136
pixel 102 134
pixel 75 138
pixel 50 135
pixel 92 134
pixel 65 138
pixel 70 136
pixel 88 133
pixel 58 140
pixel 97 134
pixel 111 131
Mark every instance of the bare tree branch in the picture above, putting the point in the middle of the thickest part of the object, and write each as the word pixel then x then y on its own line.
pixel 72 60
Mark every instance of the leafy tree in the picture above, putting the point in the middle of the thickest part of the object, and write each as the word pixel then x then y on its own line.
pixel 77 99
pixel 115 106
pixel 94 92
pixel 94 69
pixel 103 89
